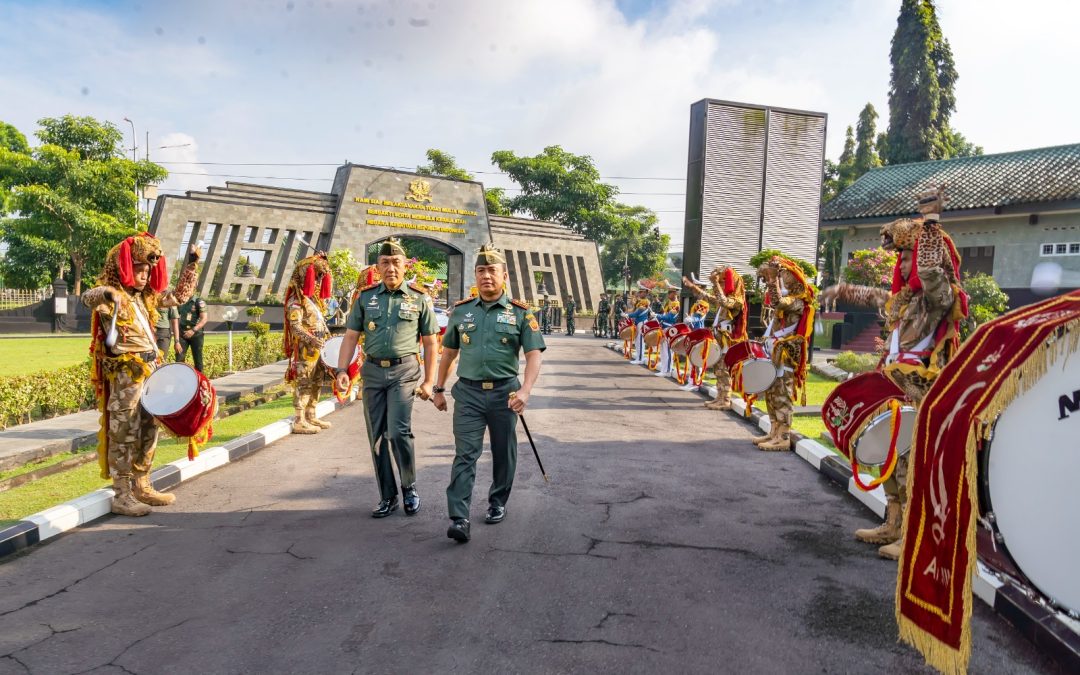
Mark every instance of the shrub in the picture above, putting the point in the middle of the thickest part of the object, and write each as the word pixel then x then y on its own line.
pixel 856 363
pixel 871 267
pixel 254 312
pixel 272 299
pixel 986 300
pixel 258 328
pixel 24 398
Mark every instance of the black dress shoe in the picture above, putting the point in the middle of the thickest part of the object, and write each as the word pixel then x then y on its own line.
pixel 459 530
pixel 385 508
pixel 411 500
pixel 495 514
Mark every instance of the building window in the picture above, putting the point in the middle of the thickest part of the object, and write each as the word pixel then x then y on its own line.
pixel 1068 248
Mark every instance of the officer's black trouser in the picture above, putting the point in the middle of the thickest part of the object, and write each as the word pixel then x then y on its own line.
pixel 388 405
pixel 475 410
pixel 196 344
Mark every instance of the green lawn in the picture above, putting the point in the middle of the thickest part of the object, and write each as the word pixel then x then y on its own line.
pixel 52 490
pixel 818 389
pixel 22 356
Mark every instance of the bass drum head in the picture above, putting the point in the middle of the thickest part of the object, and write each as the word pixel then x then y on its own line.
pixel 757 375
pixel 1031 479
pixel 872 447
pixel 169 389
pixel 332 350
pixel 697 355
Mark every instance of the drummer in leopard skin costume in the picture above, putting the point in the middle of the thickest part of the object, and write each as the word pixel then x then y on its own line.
pixel 790 296
pixel 305 334
pixel 132 285
pixel 727 298
pixel 922 311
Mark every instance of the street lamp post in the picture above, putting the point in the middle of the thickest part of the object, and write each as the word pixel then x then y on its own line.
pixel 134 147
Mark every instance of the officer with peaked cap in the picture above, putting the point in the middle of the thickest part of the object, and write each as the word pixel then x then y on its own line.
pixel 488 333
pixel 394 318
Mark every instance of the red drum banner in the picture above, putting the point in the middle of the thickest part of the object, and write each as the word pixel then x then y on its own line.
pixel 1000 361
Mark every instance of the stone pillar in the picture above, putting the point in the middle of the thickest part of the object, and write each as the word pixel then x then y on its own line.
pixel 455 278
pixel 61 305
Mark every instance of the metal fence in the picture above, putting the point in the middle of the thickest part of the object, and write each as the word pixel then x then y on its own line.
pixel 13 298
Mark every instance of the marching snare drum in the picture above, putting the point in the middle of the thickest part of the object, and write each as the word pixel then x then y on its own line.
pixel 626 329
pixel 703 351
pixel 652 332
pixel 857 432
pixel 179 397
pixel 676 336
pixel 443 318
pixel 758 370
pixel 331 352
pixel 1027 486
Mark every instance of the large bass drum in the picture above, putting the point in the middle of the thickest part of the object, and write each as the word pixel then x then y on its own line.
pixel 1029 486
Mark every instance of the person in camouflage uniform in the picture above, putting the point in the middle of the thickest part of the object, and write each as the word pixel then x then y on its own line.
pixel 131 287
pixel 790 296
pixel 921 313
pixel 305 333
pixel 727 297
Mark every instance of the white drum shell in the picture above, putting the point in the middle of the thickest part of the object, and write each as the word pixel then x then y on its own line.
pixel 442 317
pixel 1033 468
pixel 332 350
pixel 168 389
pixel 872 446
pixel 758 375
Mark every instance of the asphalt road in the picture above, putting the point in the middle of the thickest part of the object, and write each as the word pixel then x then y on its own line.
pixel 664 543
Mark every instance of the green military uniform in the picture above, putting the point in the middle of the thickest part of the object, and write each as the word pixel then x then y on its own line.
pixel 191 312
pixel 391 323
pixel 163 330
pixel 490 336
pixel 571 311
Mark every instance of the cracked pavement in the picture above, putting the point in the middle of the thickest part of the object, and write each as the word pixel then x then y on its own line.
pixel 664 541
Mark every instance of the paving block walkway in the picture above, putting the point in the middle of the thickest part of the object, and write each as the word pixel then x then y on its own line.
pixel 66 433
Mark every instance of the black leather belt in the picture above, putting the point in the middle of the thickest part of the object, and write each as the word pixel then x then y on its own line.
pixel 485 384
pixel 388 363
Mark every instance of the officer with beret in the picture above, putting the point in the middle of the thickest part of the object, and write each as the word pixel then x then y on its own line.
pixel 394 319
pixel 488 333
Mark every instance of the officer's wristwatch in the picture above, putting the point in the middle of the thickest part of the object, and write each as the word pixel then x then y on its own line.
pixel 438 389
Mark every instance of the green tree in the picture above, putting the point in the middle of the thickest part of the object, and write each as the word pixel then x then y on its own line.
pixel 12 139
pixel 866 155
pixel 75 198
pixel 444 165
pixel 635 241
pixel 960 146
pixel 764 254
pixel 560 186
pixel 345 269
pixel 921 97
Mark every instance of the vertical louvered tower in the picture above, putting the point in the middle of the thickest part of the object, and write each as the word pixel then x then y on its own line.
pixel 753 181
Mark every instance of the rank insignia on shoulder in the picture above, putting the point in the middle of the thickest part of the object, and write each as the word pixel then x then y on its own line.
pixel 462 302
pixel 518 303
pixel 370 286
pixel 418 289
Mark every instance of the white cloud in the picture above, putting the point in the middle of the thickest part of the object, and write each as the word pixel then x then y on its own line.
pixel 381 82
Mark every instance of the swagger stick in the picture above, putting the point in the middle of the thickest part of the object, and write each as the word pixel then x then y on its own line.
pixel 535 453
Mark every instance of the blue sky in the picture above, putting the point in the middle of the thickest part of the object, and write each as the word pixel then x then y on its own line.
pixel 298 81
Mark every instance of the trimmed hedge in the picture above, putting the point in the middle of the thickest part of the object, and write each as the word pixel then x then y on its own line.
pixel 25 398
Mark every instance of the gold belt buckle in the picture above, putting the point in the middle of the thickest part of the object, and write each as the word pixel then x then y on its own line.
pixel 487 385
pixel 385 363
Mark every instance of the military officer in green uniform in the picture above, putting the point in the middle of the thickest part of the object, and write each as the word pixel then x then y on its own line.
pixel 395 319
pixel 488 333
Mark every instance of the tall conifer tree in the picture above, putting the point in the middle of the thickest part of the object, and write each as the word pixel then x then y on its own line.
pixel 921 96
